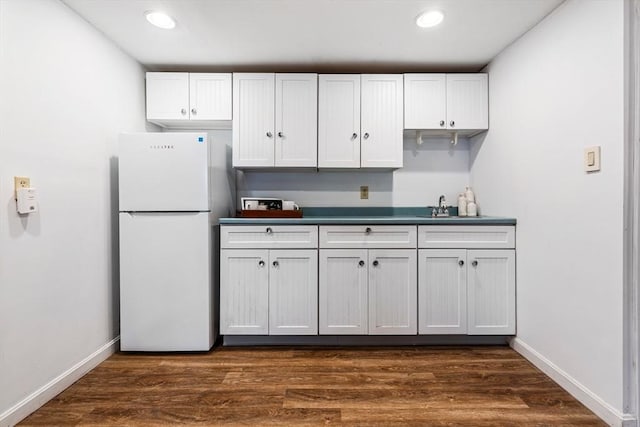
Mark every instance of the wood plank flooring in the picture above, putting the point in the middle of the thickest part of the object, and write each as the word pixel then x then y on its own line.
pixel 478 386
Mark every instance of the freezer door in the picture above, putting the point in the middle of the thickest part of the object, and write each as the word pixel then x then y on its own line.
pixel 165 282
pixel 163 172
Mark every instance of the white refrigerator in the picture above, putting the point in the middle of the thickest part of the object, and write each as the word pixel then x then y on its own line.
pixel 166 298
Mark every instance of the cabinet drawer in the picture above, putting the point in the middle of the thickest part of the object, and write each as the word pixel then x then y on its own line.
pixel 467 236
pixel 368 236
pixel 268 236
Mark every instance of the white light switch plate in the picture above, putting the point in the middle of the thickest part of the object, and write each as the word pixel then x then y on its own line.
pixel 592 159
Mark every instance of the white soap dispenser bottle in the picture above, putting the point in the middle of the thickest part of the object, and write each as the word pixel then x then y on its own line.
pixel 462 205
pixel 468 193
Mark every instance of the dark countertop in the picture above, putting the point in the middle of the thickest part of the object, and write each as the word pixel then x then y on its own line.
pixel 372 215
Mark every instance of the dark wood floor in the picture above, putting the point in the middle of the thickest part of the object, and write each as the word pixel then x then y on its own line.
pixel 479 386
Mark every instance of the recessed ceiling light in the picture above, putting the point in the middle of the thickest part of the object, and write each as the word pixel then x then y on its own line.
pixel 160 19
pixel 429 19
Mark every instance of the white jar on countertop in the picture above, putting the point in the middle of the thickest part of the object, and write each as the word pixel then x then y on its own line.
pixel 462 205
pixel 472 209
pixel 468 193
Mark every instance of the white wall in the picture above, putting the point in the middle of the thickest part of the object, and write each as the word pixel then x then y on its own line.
pixel 553 92
pixel 66 93
pixel 431 169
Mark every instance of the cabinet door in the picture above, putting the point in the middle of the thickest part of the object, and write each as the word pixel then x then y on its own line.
pixel 382 126
pixel 467 101
pixel 491 290
pixel 343 292
pixel 393 308
pixel 210 96
pixel 339 121
pixel 167 96
pixel 442 291
pixel 293 292
pixel 253 119
pixel 296 138
pixel 244 292
pixel 425 101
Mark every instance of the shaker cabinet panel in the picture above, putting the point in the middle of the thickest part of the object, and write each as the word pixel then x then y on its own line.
pixel 425 101
pixel 339 121
pixel 382 124
pixel 442 291
pixel 293 292
pixel 296 126
pixel 467 101
pixel 343 292
pixel 253 119
pixel 491 292
pixel 244 292
pixel 392 292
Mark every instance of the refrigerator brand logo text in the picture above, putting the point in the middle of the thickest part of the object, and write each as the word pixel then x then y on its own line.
pixel 161 147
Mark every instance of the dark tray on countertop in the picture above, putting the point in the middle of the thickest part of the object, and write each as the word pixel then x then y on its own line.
pixel 272 213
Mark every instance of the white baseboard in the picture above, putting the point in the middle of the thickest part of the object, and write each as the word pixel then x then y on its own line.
pixel 589 399
pixel 35 400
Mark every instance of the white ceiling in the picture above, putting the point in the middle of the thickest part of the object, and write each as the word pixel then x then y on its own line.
pixel 320 35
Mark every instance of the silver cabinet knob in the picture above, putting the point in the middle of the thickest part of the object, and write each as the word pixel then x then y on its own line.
pixel 441 123
pixel 194 111
pixel 269 134
pixel 474 263
pixel 361 263
pixel 375 263
pixel 276 263
pixel 367 230
pixel 280 134
pixel 461 263
pixel 452 123
pixel 366 135
pixel 261 263
pixel 354 136
pixel 269 230
pixel 183 111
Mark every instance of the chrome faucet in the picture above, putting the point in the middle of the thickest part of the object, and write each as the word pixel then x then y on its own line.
pixel 442 209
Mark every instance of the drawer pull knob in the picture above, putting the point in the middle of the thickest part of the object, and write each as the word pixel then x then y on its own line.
pixel 367 230
pixel 375 263
pixel 276 263
pixel 461 263
pixel 261 263
pixel 269 230
pixel 361 263
pixel 474 263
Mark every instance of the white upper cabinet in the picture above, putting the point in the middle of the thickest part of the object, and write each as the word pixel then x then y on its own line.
pixel 210 96
pixel 425 101
pixel 167 96
pixel 381 125
pixel 189 100
pixel 253 119
pixel 360 121
pixel 296 127
pixel 274 120
pixel 467 101
pixel 446 102
pixel 339 121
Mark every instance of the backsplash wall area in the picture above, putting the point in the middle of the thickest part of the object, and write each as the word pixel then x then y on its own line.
pixel 434 168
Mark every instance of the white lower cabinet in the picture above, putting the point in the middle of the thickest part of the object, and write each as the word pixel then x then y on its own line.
pixel 464 291
pixel 367 291
pixel 272 292
pixel 491 292
pixel 442 291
